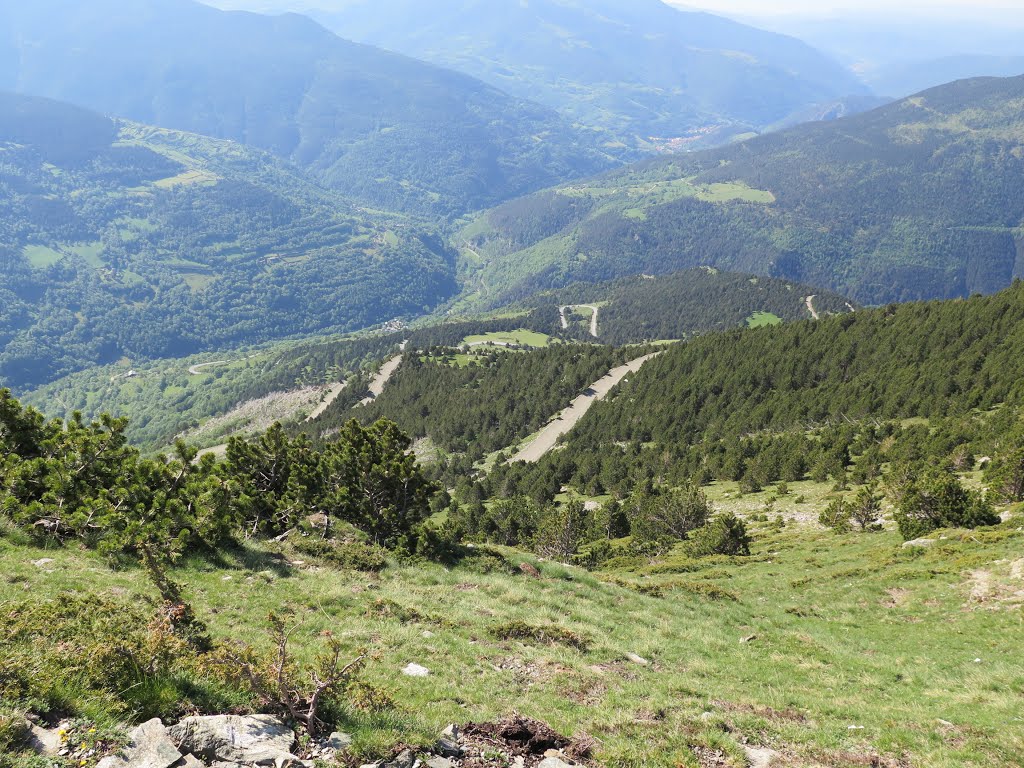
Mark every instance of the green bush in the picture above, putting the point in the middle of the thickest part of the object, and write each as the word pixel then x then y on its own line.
pixel 837 516
pixel 724 535
pixel 345 555
pixel 937 499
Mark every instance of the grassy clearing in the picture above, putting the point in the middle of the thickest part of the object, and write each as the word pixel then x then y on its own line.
pixel 91 253
pixel 761 319
pixel 724 193
pixel 197 281
pixel 40 256
pixel 187 178
pixel 841 631
pixel 521 337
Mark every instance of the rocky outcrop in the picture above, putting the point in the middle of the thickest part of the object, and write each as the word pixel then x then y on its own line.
pixel 252 739
pixel 221 741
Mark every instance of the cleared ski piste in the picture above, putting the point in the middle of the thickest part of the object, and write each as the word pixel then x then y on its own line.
pixel 547 438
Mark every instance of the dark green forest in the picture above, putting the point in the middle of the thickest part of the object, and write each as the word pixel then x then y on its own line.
pixel 491 401
pixel 121 240
pixel 915 200
pixel 827 400
pixel 679 305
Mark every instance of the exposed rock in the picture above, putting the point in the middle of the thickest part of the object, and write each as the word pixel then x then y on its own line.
pixel 554 762
pixel 190 761
pixel 919 543
pixel 150 746
pixel 338 741
pixel 637 659
pixel 253 739
pixel 440 762
pixel 447 747
pixel 42 562
pixel 405 759
pixel 43 741
pixel 451 732
pixel 415 670
pixel 760 757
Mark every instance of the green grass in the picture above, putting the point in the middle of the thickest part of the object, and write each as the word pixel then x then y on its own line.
pixel 198 282
pixel 187 178
pixel 522 336
pixel 848 630
pixel 40 256
pixel 761 319
pixel 91 253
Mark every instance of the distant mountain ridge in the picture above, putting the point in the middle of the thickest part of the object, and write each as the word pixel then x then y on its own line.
pixel 923 198
pixel 636 68
pixel 383 128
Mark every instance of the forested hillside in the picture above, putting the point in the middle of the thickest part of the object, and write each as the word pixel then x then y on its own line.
pixel 919 199
pixel 122 240
pixel 390 131
pixel 930 382
pixel 650 308
pixel 638 69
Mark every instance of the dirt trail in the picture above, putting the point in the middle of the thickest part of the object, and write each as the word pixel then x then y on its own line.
pixel 567 419
pixel 593 317
pixel 195 370
pixel 383 376
pixel 810 308
pixel 332 394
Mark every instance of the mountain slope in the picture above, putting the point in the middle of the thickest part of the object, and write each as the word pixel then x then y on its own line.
pixel 637 68
pixel 923 198
pixel 394 132
pixel 120 239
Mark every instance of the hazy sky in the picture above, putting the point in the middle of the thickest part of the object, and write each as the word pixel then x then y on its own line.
pixel 822 7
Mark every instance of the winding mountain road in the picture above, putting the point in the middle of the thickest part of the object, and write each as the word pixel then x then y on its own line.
pixel 569 418
pixel 593 317
pixel 810 307
pixel 195 370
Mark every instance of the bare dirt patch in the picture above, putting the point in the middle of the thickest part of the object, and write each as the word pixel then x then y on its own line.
pixel 521 741
pixel 999 587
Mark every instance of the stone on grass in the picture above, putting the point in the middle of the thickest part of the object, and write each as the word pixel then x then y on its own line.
pixel 919 543
pixel 43 741
pixel 254 739
pixel 637 659
pixel 338 741
pixel 415 670
pixel 448 747
pixel 150 746
pixel 553 762
pixel 405 759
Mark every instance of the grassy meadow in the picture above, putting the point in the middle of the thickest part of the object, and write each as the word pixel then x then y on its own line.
pixel 832 650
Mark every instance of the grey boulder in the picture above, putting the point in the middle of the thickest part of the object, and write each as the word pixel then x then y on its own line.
pixel 43 741
pixel 150 746
pixel 252 740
